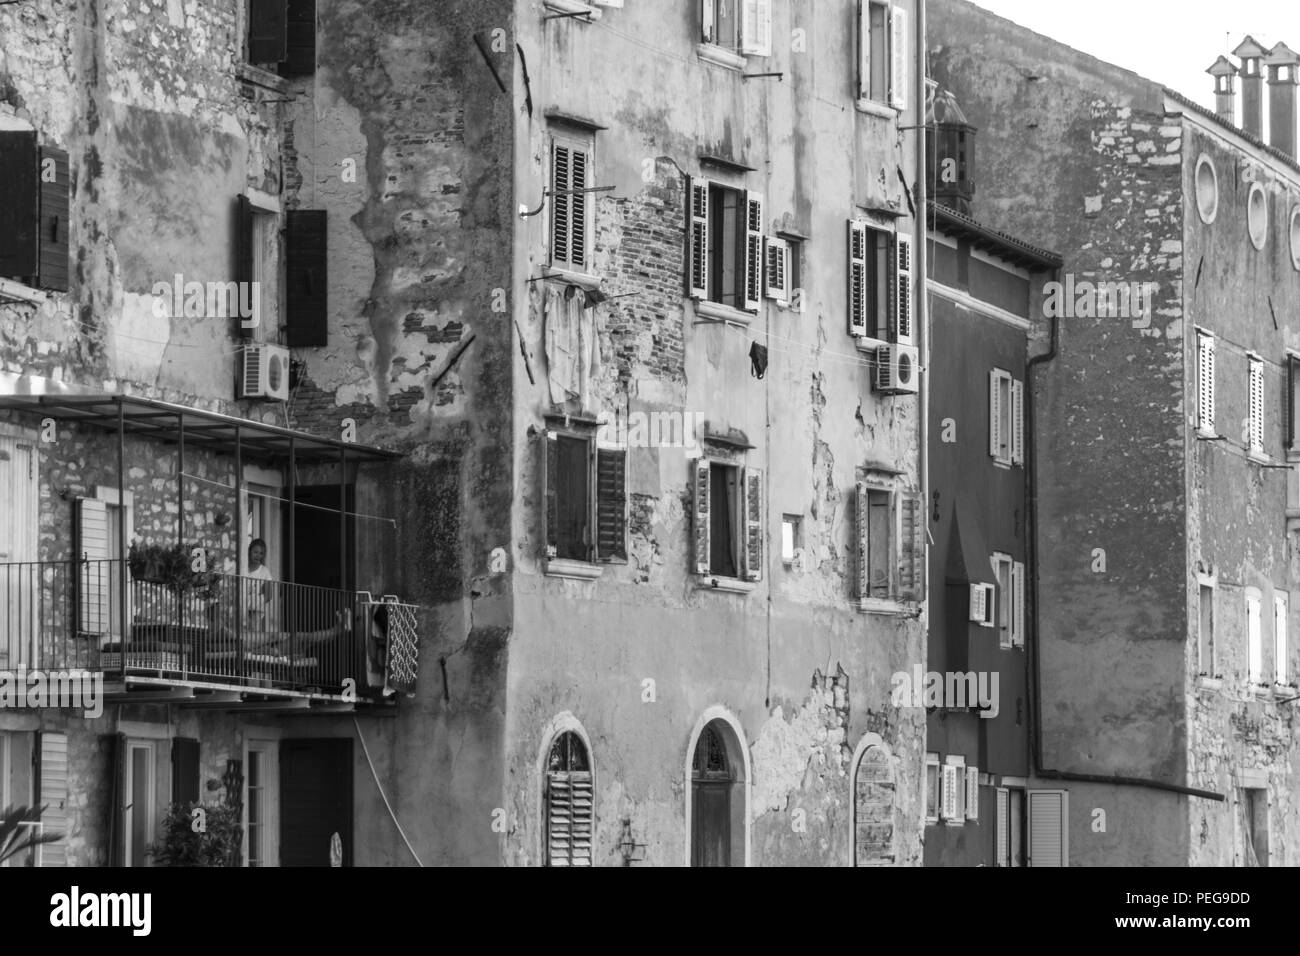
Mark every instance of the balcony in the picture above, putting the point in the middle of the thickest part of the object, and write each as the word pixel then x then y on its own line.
pixel 230 642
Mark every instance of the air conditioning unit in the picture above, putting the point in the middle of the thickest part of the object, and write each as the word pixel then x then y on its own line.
pixel 981 604
pixel 264 372
pixel 897 370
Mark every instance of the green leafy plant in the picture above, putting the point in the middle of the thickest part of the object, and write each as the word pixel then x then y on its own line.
pixel 211 838
pixel 170 565
pixel 16 838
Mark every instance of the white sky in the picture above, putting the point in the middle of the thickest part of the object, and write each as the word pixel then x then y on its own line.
pixel 1169 41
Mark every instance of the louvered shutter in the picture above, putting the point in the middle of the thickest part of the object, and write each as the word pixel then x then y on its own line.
pixel 54 797
pixel 777 281
pixel 911 551
pixel 20 593
pixel 611 504
pixel 698 253
pixel 901 311
pixel 550 481
pixel 1018 604
pixel 995 415
pixel 756 27
pixel 1293 401
pixel 244 252
pixel 306 264
pixel 185 770
pixel 1002 829
pixel 857 278
pixel 1256 406
pixel 702 514
pixel 93 578
pixel 300 39
pixel 948 797
pixel 708 24
pixel 864 49
pixel 569 818
pixel 754 506
pixel 19 204
pixel 561 203
pixel 1017 423
pixel 862 526
pixel 753 251
pixel 898 56
pixel 578 177
pixel 267 31
pixel 979 604
pixel 54 224
pixel 1048 839
pixel 972 793
pixel 1205 382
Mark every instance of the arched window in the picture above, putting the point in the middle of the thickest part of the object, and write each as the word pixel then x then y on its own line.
pixel 717 798
pixel 568 802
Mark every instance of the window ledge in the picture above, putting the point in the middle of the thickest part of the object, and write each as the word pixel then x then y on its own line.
pixel 873 108
pixel 9 289
pixel 716 312
pixel 1206 433
pixel 1258 457
pixel 1206 682
pixel 720 56
pixel 584 280
pixel 882 606
pixel 573 6
pixel 1000 463
pixel 263 78
pixel 708 582
pixel 572 570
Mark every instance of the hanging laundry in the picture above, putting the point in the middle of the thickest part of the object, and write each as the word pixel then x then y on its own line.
pixel 572 345
pixel 758 360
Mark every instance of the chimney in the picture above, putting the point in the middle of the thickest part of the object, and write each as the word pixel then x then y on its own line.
pixel 1252 86
pixel 1282 63
pixel 1225 94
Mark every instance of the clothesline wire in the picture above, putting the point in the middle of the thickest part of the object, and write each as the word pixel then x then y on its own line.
pixel 296 503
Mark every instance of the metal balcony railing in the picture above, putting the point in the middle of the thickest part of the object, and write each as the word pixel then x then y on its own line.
pixel 242 631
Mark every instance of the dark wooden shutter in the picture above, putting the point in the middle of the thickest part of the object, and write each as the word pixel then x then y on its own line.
pixel 300 54
pixel 551 475
pixel 54 219
pixel 561 204
pixel 116 747
pixel 19 215
pixel 1292 396
pixel 611 504
pixel 568 818
pixel 305 274
pixel 267 22
pixel 573 500
pixel 185 770
pixel 911 550
pixel 243 250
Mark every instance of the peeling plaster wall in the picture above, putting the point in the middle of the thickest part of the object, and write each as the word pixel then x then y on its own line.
pixel 771 657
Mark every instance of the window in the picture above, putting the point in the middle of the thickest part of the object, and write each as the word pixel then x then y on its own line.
pixel 1006 418
pixel 282 36
pixel 1255 643
pixel 882 54
pixel 586 500
pixel 306 277
pixel 743 25
pixel 791 537
pixel 781 268
pixel 1009 827
pixel 932 788
pixel 34 211
pixel 257 269
pixel 953 791
pixel 890 527
pixel 572 173
pixel 1049 833
pixel 139 801
pixel 726 245
pixel 872 810
pixel 1254 811
pixel 1207 189
pixel 1294 234
pixel 880 284
pixel 1205 382
pixel 569 802
pixel 1281 670
pixel 1256 405
pixel 1257 216
pixel 729 509
pixel 1010 612
pixel 1293 402
pixel 1205 634
pixel 261 801
pixel 972 803
pixel 20 590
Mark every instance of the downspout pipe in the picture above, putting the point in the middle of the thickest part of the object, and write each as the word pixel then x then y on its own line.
pixel 1031 647
pixel 921 306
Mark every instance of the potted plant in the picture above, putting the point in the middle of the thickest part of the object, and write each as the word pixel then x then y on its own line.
pixel 15 838
pixel 171 566
pixel 196 834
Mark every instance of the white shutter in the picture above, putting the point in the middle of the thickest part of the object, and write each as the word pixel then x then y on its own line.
pixel 19 542
pixel 708 25
pixel 1205 382
pixel 753 524
pixel 1002 829
pixel 898 56
pixel 901 320
pixel 756 27
pixel 979 598
pixel 1049 841
pixel 995 415
pixel 776 282
pixel 861 525
pixel 568 819
pixel 1280 652
pixel 1255 651
pixel 1018 604
pixel 698 264
pixel 864 49
pixel 1257 406
pixel 948 792
pixel 702 515
pixel 1017 423
pixel 54 797
pixel 753 251
pixel 93 580
pixel 857 278
pixel 972 793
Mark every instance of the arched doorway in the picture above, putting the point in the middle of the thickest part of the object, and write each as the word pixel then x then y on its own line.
pixel 871 810
pixel 718 797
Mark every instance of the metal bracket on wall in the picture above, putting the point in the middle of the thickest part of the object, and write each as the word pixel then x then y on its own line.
pixel 585 14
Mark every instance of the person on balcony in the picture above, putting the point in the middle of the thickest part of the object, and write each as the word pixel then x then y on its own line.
pixel 260 596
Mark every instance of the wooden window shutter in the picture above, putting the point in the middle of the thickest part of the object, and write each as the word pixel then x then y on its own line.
pixel 972 793
pixel 568 818
pixel 898 56
pixel 996 438
pixel 948 795
pixel 756 27
pixel 753 251
pixel 911 551
pixel 117 837
pixel 864 49
pixel 300 39
pixel 901 307
pixel 1293 401
pixel 54 796
pixel 1018 604
pixel 307 278
pixel 857 278
pixel 244 252
pixel 550 481
pixel 185 770
pixel 561 203
pixel 708 22
pixel 1205 382
pixel 862 525
pixel 54 223
pixel 267 31
pixel 1017 422
pixel 1048 836
pixel 1002 829
pixel 698 254
pixel 702 515
pixel 776 284
pixel 1256 405
pixel 579 176
pixel 19 198
pixel 611 504
pixel 754 508
pixel 93 578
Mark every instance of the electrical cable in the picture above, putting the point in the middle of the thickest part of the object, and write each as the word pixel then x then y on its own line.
pixel 380 787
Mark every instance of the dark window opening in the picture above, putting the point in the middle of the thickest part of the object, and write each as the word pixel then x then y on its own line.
pixel 723 494
pixel 726 246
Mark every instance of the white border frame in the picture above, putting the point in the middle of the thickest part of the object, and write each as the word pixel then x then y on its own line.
pixel 718 712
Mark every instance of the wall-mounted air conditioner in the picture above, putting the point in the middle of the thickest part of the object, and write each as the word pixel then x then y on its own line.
pixel 264 372
pixel 897 371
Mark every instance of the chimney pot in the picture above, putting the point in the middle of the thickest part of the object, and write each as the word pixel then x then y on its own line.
pixel 1225 96
pixel 1252 86
pixel 1282 63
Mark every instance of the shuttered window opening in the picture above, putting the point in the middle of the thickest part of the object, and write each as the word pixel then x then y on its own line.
pixel 19 205
pixel 570 819
pixel 306 277
pixel 932 787
pixel 571 169
pixel 54 222
pixel 972 803
pixel 1048 828
pixel 1205 375
pixel 1002 829
pixel 300 39
pixel 890 528
pixel 725 260
pixel 729 520
pixel 185 771
pixel 901 312
pixel 876 308
pixel 874 47
pixel 1006 418
pixel 267 31
pixel 1293 402
pixel 54 797
pixel 585 493
pixel 1281 649
pixel 777 280
pixel 1256 386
